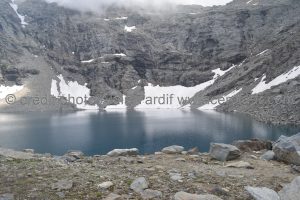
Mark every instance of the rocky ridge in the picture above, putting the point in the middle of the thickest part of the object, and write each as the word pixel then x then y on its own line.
pixel 178 48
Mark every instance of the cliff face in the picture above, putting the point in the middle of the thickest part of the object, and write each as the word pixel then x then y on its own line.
pixel 122 50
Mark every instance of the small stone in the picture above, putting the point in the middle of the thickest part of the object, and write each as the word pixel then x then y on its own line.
pixel 240 164
pixel 253 157
pixel 123 152
pixel 192 174
pixel 7 196
pixel 188 196
pixel 262 193
pixel 76 154
pixel 176 177
pixel 269 155
pixel 62 185
pixel 61 195
pixel 194 156
pixel 219 191
pixel 158 153
pixel 291 191
pixel 193 151
pixel 151 194
pixel 28 150
pixel 105 185
pixel 184 152
pixel 180 159
pixel 139 184
pixel 224 152
pixel 175 149
pixel 113 196
pixel 159 167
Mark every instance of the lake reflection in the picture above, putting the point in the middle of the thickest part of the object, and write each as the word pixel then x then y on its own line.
pixel 100 132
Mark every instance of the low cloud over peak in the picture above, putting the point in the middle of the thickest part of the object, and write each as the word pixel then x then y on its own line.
pixel 100 5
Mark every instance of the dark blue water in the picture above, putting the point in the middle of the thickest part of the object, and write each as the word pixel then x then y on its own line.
pixel 100 132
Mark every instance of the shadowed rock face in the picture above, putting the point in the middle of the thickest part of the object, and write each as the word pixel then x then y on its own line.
pixel 177 48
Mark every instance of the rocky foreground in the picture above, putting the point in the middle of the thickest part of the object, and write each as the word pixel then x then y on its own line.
pixel 251 169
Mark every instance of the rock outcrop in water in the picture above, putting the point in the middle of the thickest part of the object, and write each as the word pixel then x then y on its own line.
pixel 182 47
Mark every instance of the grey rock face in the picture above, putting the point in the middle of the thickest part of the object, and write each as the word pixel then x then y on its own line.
pixel 224 152
pixel 139 185
pixel 173 49
pixel 253 145
pixel 262 193
pixel 188 196
pixel 175 149
pixel 291 191
pixel 287 149
pixel 123 152
pixel 269 155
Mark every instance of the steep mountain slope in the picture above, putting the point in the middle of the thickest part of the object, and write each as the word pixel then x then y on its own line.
pixel 129 52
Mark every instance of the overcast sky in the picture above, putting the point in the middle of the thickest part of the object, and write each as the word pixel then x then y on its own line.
pixel 97 5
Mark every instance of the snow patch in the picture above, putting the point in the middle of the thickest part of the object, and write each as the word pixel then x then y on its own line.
pixel 88 61
pixel 73 91
pixel 129 28
pixel 263 52
pixel 120 54
pixel 6 90
pixel 174 97
pixel 212 105
pixel 21 17
pixel 262 86
pixel 121 18
pixel 121 105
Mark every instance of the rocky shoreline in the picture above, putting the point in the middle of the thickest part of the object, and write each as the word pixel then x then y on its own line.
pixel 248 169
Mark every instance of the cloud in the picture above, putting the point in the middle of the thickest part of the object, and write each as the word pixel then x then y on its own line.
pixel 100 5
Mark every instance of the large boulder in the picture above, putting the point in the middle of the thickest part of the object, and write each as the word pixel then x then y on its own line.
pixel 252 145
pixel 139 185
pixel 123 152
pixel 269 155
pixel 16 154
pixel 291 191
pixel 262 193
pixel 287 149
pixel 151 194
pixel 224 152
pixel 188 196
pixel 175 149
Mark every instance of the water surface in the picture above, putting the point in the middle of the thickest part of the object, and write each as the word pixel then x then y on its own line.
pixel 99 132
